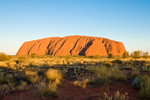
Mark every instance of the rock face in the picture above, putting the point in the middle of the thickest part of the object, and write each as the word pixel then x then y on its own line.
pixel 72 45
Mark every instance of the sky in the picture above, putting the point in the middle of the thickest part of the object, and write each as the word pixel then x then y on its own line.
pixel 127 21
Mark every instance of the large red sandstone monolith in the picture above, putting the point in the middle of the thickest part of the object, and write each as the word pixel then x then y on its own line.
pixel 72 45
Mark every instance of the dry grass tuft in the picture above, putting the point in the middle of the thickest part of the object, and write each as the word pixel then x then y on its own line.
pixel 54 75
pixel 117 96
pixel 82 84
pixel 47 90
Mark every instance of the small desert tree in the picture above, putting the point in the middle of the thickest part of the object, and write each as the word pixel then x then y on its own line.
pixel 125 54
pixel 145 54
pixel 110 55
pixel 137 54
pixel 4 57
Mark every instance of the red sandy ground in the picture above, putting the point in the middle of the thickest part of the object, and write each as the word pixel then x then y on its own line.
pixel 67 91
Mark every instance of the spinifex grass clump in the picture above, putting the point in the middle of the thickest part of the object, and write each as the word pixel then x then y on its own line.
pixel 117 74
pixel 106 74
pixel 32 75
pixel 54 75
pixel 49 88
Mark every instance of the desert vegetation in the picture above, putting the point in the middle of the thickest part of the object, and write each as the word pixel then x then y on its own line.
pixel 116 96
pixel 4 57
pixel 92 77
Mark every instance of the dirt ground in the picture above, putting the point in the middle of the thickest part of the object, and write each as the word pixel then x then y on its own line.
pixel 67 91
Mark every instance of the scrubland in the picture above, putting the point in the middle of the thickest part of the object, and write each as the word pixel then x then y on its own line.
pixel 74 78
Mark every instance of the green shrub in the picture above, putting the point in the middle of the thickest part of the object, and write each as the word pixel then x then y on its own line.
pixel 145 88
pixel 143 83
pixel 137 83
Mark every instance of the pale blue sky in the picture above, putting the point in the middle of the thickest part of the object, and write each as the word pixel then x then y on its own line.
pixel 122 20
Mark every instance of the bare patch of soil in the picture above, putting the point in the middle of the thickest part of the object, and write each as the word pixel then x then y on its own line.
pixel 67 91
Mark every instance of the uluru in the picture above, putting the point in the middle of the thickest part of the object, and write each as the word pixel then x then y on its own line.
pixel 72 45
